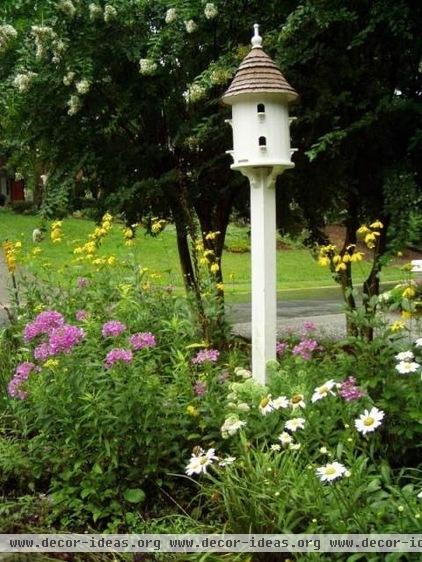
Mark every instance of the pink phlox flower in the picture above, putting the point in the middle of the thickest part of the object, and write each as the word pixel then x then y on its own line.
pixel 281 347
pixel 305 348
pixel 82 282
pixel 82 315
pixel 118 354
pixel 22 372
pixel 204 355
pixel 142 340
pixel 200 388
pixel 349 390
pixel 65 338
pixel 44 323
pixel 113 328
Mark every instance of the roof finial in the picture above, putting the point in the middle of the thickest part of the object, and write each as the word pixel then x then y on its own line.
pixel 256 39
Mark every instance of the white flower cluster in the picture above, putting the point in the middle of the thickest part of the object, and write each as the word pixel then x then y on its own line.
pixel 95 11
pixel 42 34
pixel 7 34
pixel 59 47
pixel 74 105
pixel 110 13
pixel 147 67
pixel 191 26
pixel 231 425
pixel 22 81
pixel 195 93
pixel 68 78
pixel 201 460
pixel 83 86
pixel 67 7
pixel 171 15
pixel 406 364
pixel 210 11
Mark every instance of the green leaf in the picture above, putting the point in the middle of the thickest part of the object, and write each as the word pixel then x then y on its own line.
pixel 134 495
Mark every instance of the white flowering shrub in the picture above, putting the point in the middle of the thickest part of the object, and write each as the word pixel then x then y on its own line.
pixel 171 15
pixel 95 11
pixel 147 67
pixel 191 26
pixel 7 34
pixel 83 86
pixel 22 81
pixel 110 13
pixel 67 7
pixel 210 11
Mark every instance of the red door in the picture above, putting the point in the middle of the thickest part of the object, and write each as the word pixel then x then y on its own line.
pixel 17 191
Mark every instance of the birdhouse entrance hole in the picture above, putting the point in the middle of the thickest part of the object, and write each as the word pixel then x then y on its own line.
pixel 262 142
pixel 260 108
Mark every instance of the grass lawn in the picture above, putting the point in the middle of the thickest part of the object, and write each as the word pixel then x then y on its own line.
pixel 298 275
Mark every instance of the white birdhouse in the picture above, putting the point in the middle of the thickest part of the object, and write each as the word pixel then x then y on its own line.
pixel 260 96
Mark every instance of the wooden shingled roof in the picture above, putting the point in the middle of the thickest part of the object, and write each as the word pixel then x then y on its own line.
pixel 258 73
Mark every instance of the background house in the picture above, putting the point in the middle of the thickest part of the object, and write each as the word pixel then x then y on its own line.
pixel 12 189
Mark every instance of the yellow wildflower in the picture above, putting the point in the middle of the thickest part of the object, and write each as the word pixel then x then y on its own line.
pixel 336 259
pixel 111 260
pixel 347 258
pixel 18 245
pixel 220 286
pixel 208 253
pixel 341 267
pixel 10 256
pixel 356 257
pixel 203 261
pixel 36 251
pixel 324 261
pixel 212 235
pixel 51 363
pixel 215 268
pixel 377 225
pixel 192 411
pixel 363 230
pixel 370 240
pixel 406 314
pixel 397 326
pixel 408 293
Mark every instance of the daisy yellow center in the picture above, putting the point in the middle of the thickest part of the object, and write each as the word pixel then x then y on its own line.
pixel 203 460
pixel 296 398
pixel 369 421
pixel 330 470
pixel 264 402
pixel 323 390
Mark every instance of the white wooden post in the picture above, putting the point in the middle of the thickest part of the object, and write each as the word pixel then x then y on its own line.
pixel 259 96
pixel 264 269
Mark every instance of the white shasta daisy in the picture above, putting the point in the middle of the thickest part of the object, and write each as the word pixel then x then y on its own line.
pixel 266 405
pixel 285 438
pixel 200 461
pixel 323 391
pixel 297 401
pixel 404 356
pixel 369 420
pixel 406 367
pixel 331 471
pixel 280 402
pixel 295 424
